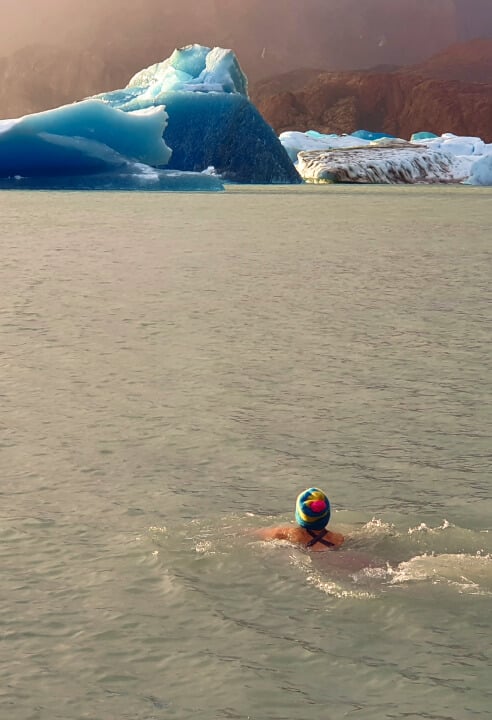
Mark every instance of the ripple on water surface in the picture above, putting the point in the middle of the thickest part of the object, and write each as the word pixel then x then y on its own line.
pixel 176 363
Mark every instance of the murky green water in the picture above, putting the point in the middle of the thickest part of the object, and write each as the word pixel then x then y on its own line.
pixel 174 370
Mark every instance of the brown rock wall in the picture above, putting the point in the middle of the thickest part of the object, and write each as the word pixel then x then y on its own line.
pixel 399 104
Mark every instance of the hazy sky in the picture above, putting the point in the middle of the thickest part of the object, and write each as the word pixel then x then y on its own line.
pixel 291 25
pixel 52 21
pixel 24 21
pixel 59 21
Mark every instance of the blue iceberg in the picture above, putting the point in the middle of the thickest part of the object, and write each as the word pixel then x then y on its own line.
pixel 86 137
pixel 211 120
pixel 228 133
pixel 174 120
pixel 418 136
pixel 372 136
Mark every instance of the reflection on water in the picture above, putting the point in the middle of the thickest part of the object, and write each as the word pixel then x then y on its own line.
pixel 175 369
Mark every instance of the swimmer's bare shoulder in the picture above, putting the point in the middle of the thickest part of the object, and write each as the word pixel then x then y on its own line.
pixel 299 536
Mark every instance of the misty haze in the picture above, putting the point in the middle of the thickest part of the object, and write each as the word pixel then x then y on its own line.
pixel 57 51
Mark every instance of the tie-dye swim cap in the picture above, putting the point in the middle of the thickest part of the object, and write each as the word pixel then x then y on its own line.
pixel 312 509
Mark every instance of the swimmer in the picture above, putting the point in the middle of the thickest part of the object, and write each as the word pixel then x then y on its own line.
pixel 312 517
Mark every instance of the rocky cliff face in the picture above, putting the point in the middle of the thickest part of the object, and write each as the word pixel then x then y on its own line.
pixel 400 102
pixel 107 41
pixel 396 104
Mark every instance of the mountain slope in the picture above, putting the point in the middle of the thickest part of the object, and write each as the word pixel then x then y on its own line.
pixel 425 97
pixel 467 62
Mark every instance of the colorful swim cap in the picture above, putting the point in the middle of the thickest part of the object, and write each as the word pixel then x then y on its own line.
pixel 312 509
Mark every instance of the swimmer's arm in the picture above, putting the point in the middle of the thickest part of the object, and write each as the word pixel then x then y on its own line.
pixel 276 533
pixel 336 538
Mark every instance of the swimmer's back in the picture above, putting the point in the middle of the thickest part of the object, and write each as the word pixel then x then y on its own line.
pixel 319 540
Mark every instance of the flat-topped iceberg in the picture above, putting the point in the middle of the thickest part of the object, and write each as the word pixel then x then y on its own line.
pixel 180 116
pixel 378 158
pixel 295 142
pixel 397 163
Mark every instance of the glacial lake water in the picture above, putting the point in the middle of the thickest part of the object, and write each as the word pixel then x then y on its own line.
pixel 174 369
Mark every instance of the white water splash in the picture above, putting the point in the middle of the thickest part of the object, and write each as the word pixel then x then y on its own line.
pixel 205 547
pixel 330 587
pixel 424 528
pixel 335 583
pixel 376 526
pixel 468 573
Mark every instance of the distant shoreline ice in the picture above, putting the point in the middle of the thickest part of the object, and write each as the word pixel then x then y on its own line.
pixel 365 157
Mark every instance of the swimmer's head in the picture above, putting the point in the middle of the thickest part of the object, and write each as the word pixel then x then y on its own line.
pixel 312 509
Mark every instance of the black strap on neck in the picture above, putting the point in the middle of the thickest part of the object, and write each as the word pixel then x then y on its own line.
pixel 319 538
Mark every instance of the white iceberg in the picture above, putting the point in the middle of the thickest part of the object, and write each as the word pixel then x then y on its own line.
pixel 481 171
pixel 398 163
pixel 473 153
pixel 455 144
pixel 296 142
pixel 357 158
